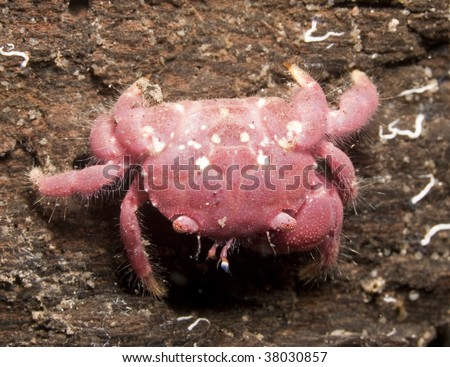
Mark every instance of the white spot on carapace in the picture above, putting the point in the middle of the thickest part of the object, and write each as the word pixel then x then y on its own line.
pixel 245 138
pixel 265 142
pixel 147 131
pixel 179 107
pixel 261 102
pixel 286 142
pixel 222 221
pixel 172 134
pixel 295 127
pixel 181 147
pixel 202 162
pixel 262 159
pixel 215 138
pixel 112 139
pixel 224 112
pixel 203 127
pixel 157 144
pixel 193 143
pixel 251 125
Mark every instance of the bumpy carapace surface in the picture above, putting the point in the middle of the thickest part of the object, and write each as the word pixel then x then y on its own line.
pixel 227 169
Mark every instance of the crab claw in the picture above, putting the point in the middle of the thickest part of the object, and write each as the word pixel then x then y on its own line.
pixel 282 222
pixel 185 224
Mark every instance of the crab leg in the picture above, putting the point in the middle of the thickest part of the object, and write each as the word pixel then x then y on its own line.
pixel 84 182
pixel 130 233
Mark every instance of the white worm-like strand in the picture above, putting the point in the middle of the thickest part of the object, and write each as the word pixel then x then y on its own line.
pixel 195 323
pixel 395 131
pixel 425 190
pixel 433 230
pixel 433 86
pixel 308 38
pixel 9 52
pixel 183 318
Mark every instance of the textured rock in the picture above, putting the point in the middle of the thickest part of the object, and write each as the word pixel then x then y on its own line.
pixel 58 284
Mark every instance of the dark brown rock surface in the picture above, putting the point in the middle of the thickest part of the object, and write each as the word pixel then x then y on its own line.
pixel 58 280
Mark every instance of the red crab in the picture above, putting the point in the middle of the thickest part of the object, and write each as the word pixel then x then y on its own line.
pixel 227 168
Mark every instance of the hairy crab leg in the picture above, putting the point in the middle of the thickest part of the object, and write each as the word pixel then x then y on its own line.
pixel 130 232
pixel 85 182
